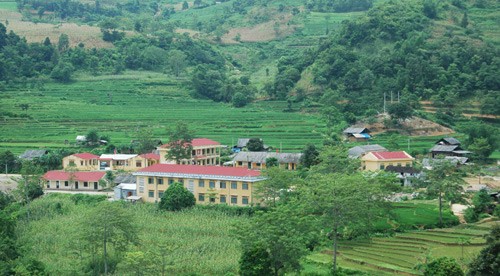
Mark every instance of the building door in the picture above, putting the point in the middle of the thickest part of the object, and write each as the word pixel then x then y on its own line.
pixel 76 185
pixel 95 185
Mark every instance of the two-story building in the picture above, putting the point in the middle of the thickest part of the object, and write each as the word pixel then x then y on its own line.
pixel 209 184
pixel 204 152
pixel 374 161
pixel 257 160
pixel 82 161
pixel 78 181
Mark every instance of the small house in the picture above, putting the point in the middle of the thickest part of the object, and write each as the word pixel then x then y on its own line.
pixel 125 190
pixel 358 151
pixel 81 139
pixel 257 160
pixel 242 144
pixel 407 175
pixel 448 146
pixel 357 134
pixel 32 154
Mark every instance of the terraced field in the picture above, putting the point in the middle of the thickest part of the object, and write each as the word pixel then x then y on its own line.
pixel 403 253
pixel 124 106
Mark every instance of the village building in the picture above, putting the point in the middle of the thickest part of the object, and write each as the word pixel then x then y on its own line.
pixel 257 160
pixel 209 184
pixel 374 161
pixel 127 162
pixel 32 154
pixel 205 152
pixel 77 181
pixel 81 161
pixel 358 151
pixel 407 175
pixel 242 145
pixel 357 134
pixel 448 147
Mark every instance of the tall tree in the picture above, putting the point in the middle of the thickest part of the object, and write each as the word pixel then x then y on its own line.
pixel 334 159
pixel 176 61
pixel 274 242
pixel 107 226
pixel 255 144
pixel 488 260
pixel 179 143
pixel 342 202
pixel 277 185
pixel 445 181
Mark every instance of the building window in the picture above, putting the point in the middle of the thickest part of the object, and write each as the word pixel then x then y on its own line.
pixel 85 184
pixel 244 200
pixel 257 164
pixel 234 199
pixel 72 162
pixel 66 183
pixel 201 183
pixel 180 180
pixel 81 163
pixel 151 180
pixel 407 164
pixel 57 184
pixel 234 185
pixel 201 197
pixel 151 193
pixel 244 186
pixel 211 184
pixel 160 181
pixel 222 185
pixel 382 166
pixel 212 199
pixel 160 194
pixel 399 164
pixel 170 181
pixel 138 164
pixel 222 198
pixel 240 163
pixel 48 184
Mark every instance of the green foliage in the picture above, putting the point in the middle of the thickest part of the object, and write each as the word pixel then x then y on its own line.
pixel 488 260
pixel 9 162
pixel 443 267
pixel 334 159
pixel 338 5
pixel 446 182
pixel 62 72
pixel 400 111
pixel 179 142
pixel 255 144
pixel 255 261
pixel 481 137
pixel 87 199
pixel 176 198
pixel 105 229
pixel 276 188
pixel 239 100
pixel 283 233
pixel 309 156
pixel 272 162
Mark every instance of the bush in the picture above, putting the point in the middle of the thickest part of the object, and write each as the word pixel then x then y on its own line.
pixel 444 266
pixel 176 198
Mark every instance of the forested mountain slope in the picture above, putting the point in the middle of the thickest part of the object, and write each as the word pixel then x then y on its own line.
pixel 412 49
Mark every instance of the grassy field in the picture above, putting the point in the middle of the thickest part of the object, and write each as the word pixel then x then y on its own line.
pixel 317 23
pixel 124 106
pixel 488 21
pixel 197 241
pixel 5 5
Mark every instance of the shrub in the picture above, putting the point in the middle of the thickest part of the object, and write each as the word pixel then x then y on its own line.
pixel 444 266
pixel 176 198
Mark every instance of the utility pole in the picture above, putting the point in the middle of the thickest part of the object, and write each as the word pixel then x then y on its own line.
pixel 384 102
pixel 408 144
pixel 5 167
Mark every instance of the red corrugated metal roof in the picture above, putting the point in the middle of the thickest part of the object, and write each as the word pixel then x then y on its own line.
pixel 150 156
pixel 86 155
pixel 198 142
pixel 391 155
pixel 204 170
pixel 77 176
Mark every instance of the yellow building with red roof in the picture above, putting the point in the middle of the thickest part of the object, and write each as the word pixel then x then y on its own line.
pixel 209 184
pixel 374 161
pixel 81 161
pixel 205 152
pixel 74 181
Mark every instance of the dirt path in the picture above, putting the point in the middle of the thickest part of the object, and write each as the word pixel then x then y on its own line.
pixel 8 182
